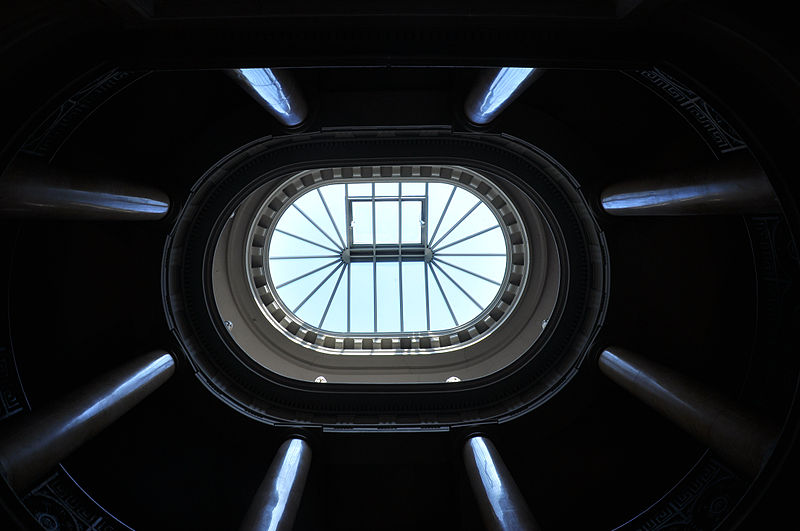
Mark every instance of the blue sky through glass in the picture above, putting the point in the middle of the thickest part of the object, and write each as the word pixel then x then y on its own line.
pixel 387 257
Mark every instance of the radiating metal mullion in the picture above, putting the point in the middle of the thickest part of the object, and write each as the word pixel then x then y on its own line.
pixel 324 280
pixel 333 294
pixel 306 240
pixel 315 224
pixel 447 302
pixel 427 299
pixel 400 251
pixel 470 272
pixel 446 234
pixel 471 254
pixel 348 212
pixel 306 274
pixel 300 257
pixel 457 285
pixel 424 216
pixel 374 267
pixel 468 237
pixel 348 297
pixel 446 206
pixel 330 216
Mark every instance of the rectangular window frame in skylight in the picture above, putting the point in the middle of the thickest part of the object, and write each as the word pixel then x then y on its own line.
pixel 357 234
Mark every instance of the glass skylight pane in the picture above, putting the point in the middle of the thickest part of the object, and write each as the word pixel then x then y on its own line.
pixel 440 315
pixel 362 314
pixel 438 194
pixel 334 198
pixel 488 242
pixel 491 267
pixel 360 189
pixel 414 296
pixel 386 228
pixel 388 297
pixel 285 245
pixel 479 289
pixel 413 189
pixel 312 309
pixel 294 293
pixel 312 208
pixel 285 270
pixel 464 308
pixel 479 219
pixel 293 222
pixel 412 216
pixel 387 189
pixel 336 318
pixel 461 203
pixel 311 204
pixel 362 222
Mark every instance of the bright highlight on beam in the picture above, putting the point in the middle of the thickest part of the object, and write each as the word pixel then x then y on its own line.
pixel 276 91
pixel 496 90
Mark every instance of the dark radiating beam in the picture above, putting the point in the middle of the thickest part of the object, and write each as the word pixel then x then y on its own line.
pixel 739 437
pixel 733 185
pixel 276 91
pixel 501 505
pixel 30 189
pixel 495 90
pixel 34 445
pixel 275 503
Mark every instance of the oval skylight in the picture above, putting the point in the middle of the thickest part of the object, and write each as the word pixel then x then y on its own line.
pixel 388 257
pixel 401 258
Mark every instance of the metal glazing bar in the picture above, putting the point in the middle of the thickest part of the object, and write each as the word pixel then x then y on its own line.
pixel 400 253
pixel 470 254
pixel 470 272
pixel 465 216
pixel 441 217
pixel 495 90
pixel 330 216
pixel 387 198
pixel 427 299
pixel 447 302
pixel 302 257
pixel 306 240
pixel 276 91
pixel 484 231
pixel 374 267
pixel 315 224
pixel 424 216
pixel 457 285
pixel 348 297
pixel 348 214
pixel 324 280
pixel 277 499
pixel 295 279
pixel 333 294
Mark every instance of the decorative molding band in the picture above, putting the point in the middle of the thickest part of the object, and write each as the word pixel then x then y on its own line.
pixel 720 136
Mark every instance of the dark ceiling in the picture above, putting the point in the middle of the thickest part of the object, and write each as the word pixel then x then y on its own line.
pixel 690 291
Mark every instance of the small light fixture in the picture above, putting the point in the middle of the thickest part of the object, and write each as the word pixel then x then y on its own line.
pixel 453 379
pixel 321 379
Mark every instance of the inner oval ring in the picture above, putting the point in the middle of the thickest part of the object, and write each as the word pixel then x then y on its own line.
pixel 298 360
